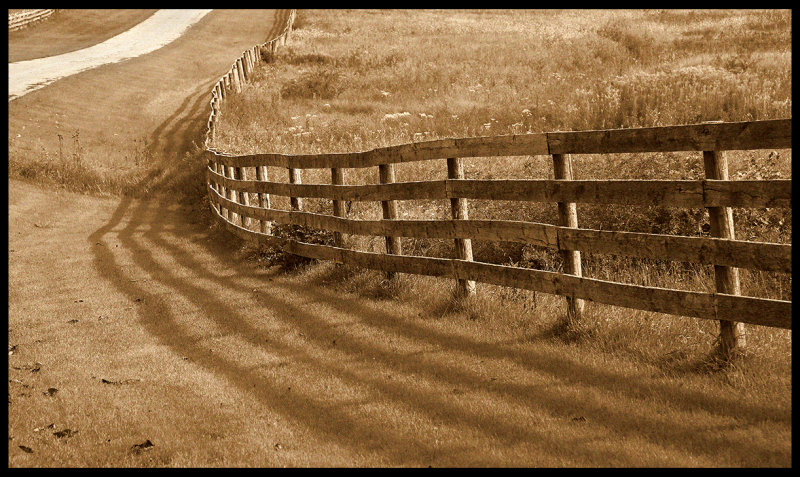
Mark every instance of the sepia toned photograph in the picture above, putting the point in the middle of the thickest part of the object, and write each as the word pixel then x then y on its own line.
pixel 300 238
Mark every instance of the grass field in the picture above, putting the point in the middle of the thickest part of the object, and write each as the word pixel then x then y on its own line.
pixel 353 80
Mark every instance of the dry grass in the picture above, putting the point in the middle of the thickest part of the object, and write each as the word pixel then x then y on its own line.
pixel 347 83
pixel 241 366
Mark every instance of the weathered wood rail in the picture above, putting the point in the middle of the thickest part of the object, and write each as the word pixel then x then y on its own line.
pixel 229 189
pixel 17 21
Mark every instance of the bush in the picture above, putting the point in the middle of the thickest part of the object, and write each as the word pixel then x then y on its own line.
pixel 319 83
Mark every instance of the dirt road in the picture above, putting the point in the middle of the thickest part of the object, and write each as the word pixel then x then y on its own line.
pixel 138 337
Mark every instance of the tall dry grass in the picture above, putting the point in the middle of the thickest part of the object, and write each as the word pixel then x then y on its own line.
pixel 354 80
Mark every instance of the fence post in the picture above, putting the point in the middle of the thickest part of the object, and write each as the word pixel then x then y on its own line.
pixel 393 244
pixel 568 217
pixel 236 82
pixel 337 178
pixel 244 197
pixel 223 191
pixel 242 74
pixel 460 211
pixel 234 194
pixel 295 177
pixel 250 63
pixel 261 175
pixel 212 160
pixel 731 333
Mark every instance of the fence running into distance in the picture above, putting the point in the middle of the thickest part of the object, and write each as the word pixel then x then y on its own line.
pixel 20 20
pixel 229 192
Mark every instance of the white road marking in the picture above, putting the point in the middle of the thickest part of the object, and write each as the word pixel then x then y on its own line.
pixel 163 27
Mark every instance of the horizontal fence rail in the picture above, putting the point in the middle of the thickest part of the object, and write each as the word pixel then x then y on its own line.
pixel 697 194
pixel 706 250
pixel 233 181
pixel 770 134
pixel 713 306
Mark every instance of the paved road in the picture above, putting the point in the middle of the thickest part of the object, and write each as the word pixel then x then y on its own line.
pixel 157 31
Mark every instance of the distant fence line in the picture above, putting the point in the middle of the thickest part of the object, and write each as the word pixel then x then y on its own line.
pixel 229 192
pixel 21 20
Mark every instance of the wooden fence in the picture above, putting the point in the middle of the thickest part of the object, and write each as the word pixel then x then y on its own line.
pixel 21 20
pixel 231 180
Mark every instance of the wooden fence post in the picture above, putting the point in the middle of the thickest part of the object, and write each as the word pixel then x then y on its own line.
pixel 568 217
pixel 251 63
pixel 337 178
pixel 214 185
pixel 233 193
pixel 393 244
pixel 236 82
pixel 242 72
pixel 244 197
pixel 261 175
pixel 731 333
pixel 223 191
pixel 460 211
pixel 296 177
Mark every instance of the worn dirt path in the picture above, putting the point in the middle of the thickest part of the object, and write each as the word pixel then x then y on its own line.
pixel 133 322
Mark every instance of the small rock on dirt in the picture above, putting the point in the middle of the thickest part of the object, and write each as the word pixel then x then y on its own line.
pixel 65 433
pixel 26 449
pixel 146 445
pixel 50 391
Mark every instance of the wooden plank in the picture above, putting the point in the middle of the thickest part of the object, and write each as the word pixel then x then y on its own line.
pixel 240 72
pixel 769 134
pixel 732 334
pixel 459 210
pixel 389 208
pixel 296 177
pixel 774 313
pixel 511 145
pixel 264 202
pixel 337 178
pixel 705 250
pixel 244 197
pixel 237 84
pixel 762 193
pixel 568 217
pixel 370 192
pixel 628 192
pixel 234 194
pixel 690 194
pixel 223 191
